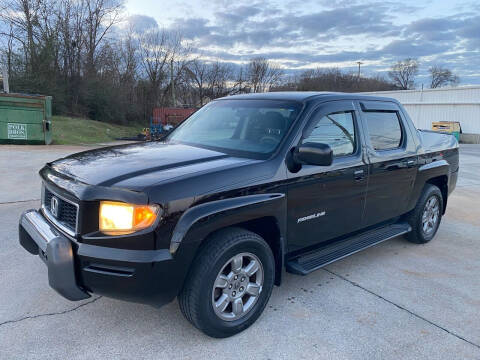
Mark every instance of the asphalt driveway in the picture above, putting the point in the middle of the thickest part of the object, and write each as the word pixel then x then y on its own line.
pixel 393 301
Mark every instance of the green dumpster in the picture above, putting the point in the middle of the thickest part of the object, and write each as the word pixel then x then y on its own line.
pixel 25 119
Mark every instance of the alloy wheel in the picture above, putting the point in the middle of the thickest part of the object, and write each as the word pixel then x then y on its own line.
pixel 431 215
pixel 237 286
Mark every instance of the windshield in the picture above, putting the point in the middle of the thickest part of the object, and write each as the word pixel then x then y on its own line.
pixel 252 128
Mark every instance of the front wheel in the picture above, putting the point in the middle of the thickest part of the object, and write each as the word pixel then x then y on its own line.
pixel 229 284
pixel 425 218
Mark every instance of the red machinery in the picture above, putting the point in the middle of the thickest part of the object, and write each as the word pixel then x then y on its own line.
pixel 164 119
pixel 170 116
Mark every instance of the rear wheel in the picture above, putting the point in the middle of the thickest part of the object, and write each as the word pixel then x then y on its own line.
pixel 229 284
pixel 425 218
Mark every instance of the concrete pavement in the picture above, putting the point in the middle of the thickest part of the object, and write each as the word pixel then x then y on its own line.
pixel 394 301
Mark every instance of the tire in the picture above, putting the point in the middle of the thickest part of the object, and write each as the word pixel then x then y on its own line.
pixel 432 199
pixel 217 278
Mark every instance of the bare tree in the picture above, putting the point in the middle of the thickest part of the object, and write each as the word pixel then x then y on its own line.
pixel 240 84
pixel 218 78
pixel 403 73
pixel 208 80
pixel 441 76
pixel 101 15
pixel 196 73
pixel 129 60
pixel 159 51
pixel 21 16
pixel 155 55
pixel 62 48
pixel 7 53
pixel 333 79
pixel 262 74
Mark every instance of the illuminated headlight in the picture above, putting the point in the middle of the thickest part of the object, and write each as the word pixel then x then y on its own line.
pixel 117 218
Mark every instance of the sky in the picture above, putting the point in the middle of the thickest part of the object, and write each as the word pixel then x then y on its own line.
pixel 299 35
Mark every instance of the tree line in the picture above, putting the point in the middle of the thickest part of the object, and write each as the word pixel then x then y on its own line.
pixel 403 74
pixel 84 54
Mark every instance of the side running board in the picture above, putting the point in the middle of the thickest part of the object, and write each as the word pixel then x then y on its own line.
pixel 313 260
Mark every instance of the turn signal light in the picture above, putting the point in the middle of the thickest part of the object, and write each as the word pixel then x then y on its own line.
pixel 117 218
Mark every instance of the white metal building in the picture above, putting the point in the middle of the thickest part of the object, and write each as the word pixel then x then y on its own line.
pixel 460 104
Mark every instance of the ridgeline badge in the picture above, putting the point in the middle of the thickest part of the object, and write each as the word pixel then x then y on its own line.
pixel 310 217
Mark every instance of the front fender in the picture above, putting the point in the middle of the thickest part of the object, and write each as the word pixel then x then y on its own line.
pixel 208 217
pixel 197 223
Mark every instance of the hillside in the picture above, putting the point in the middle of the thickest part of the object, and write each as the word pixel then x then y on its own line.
pixel 68 130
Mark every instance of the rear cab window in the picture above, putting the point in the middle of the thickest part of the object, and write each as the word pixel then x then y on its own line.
pixel 384 129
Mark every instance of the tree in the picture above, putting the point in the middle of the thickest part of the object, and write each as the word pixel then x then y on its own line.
pixel 262 74
pixel 240 84
pixel 403 73
pixel 333 79
pixel 196 73
pixel 101 15
pixel 157 51
pixel 218 76
pixel 207 80
pixel 441 76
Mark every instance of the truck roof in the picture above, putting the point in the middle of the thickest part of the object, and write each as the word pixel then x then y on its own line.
pixel 305 95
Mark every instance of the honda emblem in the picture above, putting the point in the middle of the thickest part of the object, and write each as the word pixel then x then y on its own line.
pixel 54 206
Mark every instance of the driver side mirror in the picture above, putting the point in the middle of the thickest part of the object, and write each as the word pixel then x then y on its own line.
pixel 313 154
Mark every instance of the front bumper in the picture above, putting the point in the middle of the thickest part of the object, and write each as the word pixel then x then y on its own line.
pixel 38 237
pixel 76 269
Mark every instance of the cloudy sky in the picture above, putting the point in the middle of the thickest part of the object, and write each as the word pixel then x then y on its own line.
pixel 326 33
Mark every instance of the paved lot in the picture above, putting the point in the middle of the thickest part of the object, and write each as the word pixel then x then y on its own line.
pixel 394 301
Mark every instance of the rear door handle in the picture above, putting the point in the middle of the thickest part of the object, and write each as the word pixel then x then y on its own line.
pixel 411 163
pixel 359 175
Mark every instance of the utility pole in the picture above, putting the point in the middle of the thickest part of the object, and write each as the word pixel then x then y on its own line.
pixel 359 64
pixel 172 83
pixel 6 88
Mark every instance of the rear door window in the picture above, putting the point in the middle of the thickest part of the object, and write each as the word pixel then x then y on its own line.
pixel 384 129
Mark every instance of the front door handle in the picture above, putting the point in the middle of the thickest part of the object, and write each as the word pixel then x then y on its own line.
pixel 359 175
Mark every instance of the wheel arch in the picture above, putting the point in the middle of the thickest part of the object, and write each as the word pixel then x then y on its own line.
pixel 263 214
pixel 267 228
pixel 442 183
pixel 435 173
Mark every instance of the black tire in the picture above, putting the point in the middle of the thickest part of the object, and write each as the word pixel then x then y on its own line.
pixel 197 296
pixel 418 235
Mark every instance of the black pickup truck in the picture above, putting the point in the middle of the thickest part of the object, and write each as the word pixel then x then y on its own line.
pixel 245 187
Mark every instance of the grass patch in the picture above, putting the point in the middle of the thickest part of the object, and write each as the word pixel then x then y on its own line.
pixel 68 130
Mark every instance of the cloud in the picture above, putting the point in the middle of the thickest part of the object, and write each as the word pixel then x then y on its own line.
pixel 298 34
pixel 142 23
pixel 413 48
pixel 344 21
pixel 261 27
pixel 193 28
pixel 237 15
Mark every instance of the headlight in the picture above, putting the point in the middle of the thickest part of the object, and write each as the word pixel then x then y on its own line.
pixel 117 218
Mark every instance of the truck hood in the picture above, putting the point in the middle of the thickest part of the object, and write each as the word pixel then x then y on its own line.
pixel 140 165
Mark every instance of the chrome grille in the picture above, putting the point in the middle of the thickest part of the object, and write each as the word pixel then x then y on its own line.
pixel 67 212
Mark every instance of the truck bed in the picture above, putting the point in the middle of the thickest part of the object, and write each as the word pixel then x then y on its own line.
pixel 434 141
